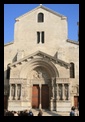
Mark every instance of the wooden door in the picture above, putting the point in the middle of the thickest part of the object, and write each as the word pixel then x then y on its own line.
pixel 35 96
pixel 76 101
pixel 45 96
pixel 5 101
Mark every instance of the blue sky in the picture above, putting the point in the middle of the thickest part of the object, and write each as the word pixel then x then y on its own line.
pixel 12 11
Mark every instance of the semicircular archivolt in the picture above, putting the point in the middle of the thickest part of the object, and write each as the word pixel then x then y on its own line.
pixel 32 65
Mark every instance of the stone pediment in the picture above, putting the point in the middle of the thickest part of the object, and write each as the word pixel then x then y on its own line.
pixel 42 56
pixel 45 8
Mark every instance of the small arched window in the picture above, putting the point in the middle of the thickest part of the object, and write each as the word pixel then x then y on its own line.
pixel 40 17
pixel 72 70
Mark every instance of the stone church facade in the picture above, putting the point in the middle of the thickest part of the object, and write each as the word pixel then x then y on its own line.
pixel 41 65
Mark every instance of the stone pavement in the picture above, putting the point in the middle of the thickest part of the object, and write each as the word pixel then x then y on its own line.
pixel 50 113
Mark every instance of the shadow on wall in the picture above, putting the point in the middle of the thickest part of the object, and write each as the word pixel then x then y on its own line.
pixel 56 55
pixel 14 59
pixel 5 74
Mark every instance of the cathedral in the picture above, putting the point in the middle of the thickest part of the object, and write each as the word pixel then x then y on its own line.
pixel 41 65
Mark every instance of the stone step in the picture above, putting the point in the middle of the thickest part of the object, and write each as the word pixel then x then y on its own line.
pixel 49 113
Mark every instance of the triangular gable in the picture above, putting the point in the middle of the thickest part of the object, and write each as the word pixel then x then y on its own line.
pixel 43 7
pixel 44 55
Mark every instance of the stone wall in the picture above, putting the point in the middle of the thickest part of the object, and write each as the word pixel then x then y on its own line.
pixel 56 45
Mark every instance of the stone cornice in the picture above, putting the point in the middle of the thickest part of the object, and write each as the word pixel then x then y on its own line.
pixel 45 8
pixel 42 55
pixel 73 42
pixel 8 43
pixel 62 80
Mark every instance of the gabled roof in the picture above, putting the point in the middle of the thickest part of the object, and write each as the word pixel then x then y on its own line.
pixel 45 8
pixel 44 55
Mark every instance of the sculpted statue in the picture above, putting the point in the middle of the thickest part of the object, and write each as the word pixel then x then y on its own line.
pixel 40 74
pixel 66 92
pixel 35 75
pixel 18 92
pixel 12 91
pixel 60 92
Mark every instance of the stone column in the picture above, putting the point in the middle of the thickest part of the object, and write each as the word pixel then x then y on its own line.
pixel 56 95
pixel 57 92
pixel 52 100
pixel 21 92
pixel 68 92
pixel 15 91
pixel 56 105
pixel 51 105
pixel 53 88
pixel 10 97
pixel 63 97
pixel 40 107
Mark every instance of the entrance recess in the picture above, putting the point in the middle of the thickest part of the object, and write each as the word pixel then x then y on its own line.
pixel 35 96
pixel 45 97
pixel 40 74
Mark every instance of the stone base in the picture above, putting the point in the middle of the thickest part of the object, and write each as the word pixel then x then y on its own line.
pixel 52 105
pixel 18 105
pixel 63 106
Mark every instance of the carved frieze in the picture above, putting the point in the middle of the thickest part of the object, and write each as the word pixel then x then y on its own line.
pixel 18 80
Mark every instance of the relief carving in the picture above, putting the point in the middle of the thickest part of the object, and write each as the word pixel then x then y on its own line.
pixel 39 74
pixel 35 75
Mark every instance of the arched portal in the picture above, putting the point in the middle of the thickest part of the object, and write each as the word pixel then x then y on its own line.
pixel 39 74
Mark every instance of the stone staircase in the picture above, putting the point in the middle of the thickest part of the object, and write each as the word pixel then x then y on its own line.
pixel 49 113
